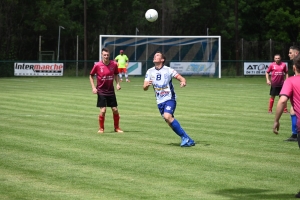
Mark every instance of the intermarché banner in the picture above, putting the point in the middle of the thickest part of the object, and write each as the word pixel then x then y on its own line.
pixel 38 69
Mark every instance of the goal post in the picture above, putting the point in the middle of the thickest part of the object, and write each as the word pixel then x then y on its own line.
pixel 46 56
pixel 188 55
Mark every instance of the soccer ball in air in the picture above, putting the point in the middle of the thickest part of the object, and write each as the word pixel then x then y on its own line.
pixel 151 15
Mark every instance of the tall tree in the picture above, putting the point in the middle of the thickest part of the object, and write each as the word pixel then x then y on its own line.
pixel 257 20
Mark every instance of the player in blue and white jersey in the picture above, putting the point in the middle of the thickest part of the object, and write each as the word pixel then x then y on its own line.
pixel 160 77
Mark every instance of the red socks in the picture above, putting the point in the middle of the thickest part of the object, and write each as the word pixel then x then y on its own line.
pixel 101 121
pixel 116 120
pixel 271 102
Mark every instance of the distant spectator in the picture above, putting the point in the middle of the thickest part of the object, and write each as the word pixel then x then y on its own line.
pixel 122 61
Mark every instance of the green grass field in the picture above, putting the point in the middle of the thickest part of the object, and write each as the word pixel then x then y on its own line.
pixel 50 148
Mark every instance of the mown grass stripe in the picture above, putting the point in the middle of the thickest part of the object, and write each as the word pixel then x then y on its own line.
pixel 50 148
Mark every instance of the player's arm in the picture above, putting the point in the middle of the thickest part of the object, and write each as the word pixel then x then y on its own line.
pixel 181 79
pixel 117 79
pixel 279 109
pixel 148 81
pixel 286 72
pixel 94 89
pixel 127 62
pixel 116 60
pixel 147 84
pixel 267 78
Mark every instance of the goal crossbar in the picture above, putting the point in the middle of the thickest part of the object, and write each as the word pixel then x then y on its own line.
pixel 196 55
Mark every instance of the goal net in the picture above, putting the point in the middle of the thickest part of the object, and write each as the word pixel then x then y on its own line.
pixel 46 56
pixel 188 55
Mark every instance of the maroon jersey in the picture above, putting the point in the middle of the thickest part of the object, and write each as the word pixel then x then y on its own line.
pixel 105 77
pixel 278 72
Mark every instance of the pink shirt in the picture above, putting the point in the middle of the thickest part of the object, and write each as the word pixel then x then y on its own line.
pixel 105 77
pixel 291 89
pixel 278 72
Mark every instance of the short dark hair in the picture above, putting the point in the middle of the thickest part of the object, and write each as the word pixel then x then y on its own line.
pixel 294 47
pixel 105 49
pixel 163 56
pixel 277 55
pixel 296 62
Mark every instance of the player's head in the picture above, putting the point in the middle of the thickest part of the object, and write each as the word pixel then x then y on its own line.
pixel 105 54
pixel 159 57
pixel 296 61
pixel 121 52
pixel 293 51
pixel 277 58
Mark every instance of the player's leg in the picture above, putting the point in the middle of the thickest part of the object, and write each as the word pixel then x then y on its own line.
pixel 298 133
pixel 167 110
pixel 120 74
pixel 271 103
pixel 101 103
pixel 116 117
pixel 293 137
pixel 101 119
pixel 277 92
pixel 126 75
pixel 112 102
pixel 271 100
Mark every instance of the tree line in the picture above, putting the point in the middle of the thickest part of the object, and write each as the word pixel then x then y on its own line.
pixel 22 22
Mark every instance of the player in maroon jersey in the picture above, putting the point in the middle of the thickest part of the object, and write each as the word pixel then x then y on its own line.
pixel 278 70
pixel 106 72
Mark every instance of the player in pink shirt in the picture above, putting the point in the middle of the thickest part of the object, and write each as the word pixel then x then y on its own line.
pixel 293 51
pixel 290 90
pixel 278 70
pixel 106 71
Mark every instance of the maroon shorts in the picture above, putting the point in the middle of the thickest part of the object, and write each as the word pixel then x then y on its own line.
pixel 107 101
pixel 275 91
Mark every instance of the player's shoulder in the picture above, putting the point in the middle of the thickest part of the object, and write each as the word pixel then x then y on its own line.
pixel 271 66
pixel 166 68
pixel 169 69
pixel 151 68
pixel 293 78
pixel 98 63
pixel 113 62
pixel 272 63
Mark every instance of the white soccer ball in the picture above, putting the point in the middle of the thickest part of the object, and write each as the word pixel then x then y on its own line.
pixel 151 15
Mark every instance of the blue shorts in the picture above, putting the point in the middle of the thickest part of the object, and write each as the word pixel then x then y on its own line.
pixel 167 107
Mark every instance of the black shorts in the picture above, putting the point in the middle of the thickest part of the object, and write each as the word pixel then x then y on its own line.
pixel 275 91
pixel 107 101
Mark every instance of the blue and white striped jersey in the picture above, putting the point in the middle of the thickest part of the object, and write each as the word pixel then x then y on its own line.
pixel 162 83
